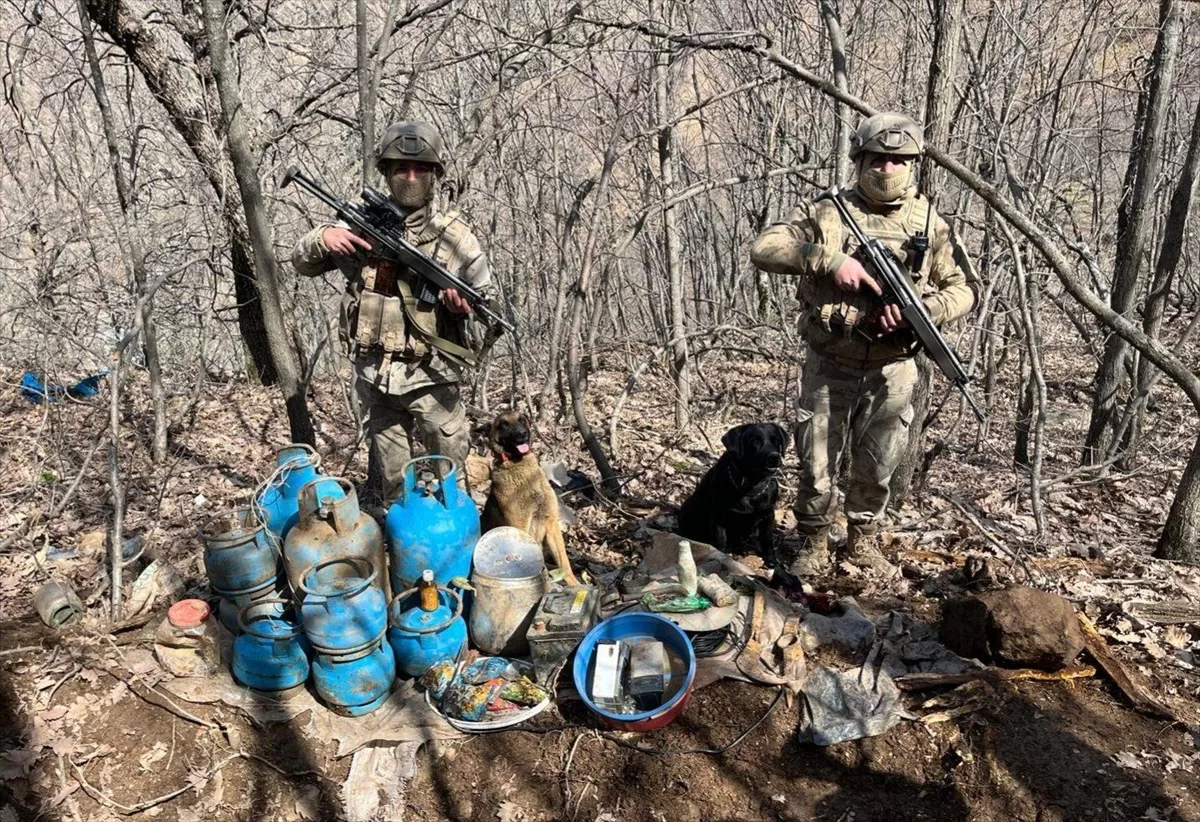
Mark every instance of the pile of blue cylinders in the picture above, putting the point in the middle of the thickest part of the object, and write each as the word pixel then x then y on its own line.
pixel 316 605
pixel 344 614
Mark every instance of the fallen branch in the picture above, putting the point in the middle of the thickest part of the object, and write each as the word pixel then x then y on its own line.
pixel 159 699
pixel 1125 680
pixel 129 810
pixel 1012 554
pixel 917 682
pixel 23 650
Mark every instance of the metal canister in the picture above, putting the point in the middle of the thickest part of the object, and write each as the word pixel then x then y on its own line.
pixel 238 555
pixel 355 684
pixel 332 525
pixel 343 611
pixel 297 464
pixel 422 637
pixel 57 604
pixel 509 580
pixel 271 652
pixel 231 605
pixel 432 524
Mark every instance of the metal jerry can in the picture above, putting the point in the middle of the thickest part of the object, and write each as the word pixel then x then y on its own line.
pixel 296 465
pixel 332 525
pixel 423 636
pixel 432 524
pixel 343 611
pixel 270 653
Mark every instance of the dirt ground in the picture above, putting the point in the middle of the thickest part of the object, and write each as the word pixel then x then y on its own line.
pixel 1034 751
pixel 85 733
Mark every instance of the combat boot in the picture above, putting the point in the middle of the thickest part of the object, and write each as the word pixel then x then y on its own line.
pixel 813 558
pixel 862 551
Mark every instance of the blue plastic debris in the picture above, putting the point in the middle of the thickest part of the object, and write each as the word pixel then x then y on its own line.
pixel 38 391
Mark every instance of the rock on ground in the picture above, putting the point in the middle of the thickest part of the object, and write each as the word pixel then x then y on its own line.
pixel 1018 628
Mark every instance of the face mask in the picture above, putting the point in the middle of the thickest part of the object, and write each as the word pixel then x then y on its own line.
pixel 411 194
pixel 884 187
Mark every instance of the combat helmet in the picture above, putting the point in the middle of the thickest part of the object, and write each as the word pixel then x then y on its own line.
pixel 419 142
pixel 888 132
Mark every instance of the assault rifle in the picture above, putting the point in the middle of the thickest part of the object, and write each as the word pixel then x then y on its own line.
pixel 883 265
pixel 380 220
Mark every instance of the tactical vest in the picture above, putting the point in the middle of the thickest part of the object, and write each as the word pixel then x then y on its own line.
pixel 834 319
pixel 385 315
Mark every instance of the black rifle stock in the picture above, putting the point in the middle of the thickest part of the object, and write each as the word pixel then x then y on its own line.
pixel 898 290
pixel 379 220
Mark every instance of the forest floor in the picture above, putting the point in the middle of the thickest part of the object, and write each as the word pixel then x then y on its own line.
pixel 85 734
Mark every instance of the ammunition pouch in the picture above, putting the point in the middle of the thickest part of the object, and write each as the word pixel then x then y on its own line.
pixel 388 316
pixel 841 318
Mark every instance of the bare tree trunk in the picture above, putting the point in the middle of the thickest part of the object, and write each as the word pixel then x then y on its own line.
pixel 1180 539
pixel 1169 255
pixel 116 529
pixel 366 98
pixel 837 47
pixel 245 169
pixel 608 477
pixel 938 104
pixel 563 238
pixel 132 244
pixel 1036 405
pixel 154 49
pixel 1133 221
pixel 947 26
pixel 663 97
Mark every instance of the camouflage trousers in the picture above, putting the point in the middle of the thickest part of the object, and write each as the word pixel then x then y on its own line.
pixel 866 412
pixel 435 415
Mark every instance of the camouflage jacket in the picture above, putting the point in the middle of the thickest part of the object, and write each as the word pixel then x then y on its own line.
pixel 390 355
pixel 812 243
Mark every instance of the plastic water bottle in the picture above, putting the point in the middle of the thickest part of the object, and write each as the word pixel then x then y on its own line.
pixel 686 564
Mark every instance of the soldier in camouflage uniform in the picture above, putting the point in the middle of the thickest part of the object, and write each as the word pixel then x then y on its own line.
pixel 859 372
pixel 408 358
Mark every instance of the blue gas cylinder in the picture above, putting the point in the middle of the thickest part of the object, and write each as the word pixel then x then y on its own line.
pixel 343 610
pixel 270 653
pixel 233 604
pixel 238 555
pixel 296 465
pixel 421 638
pixel 432 524
pixel 332 525
pixel 355 684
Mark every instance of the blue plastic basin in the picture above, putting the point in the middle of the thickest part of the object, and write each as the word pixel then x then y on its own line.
pixel 630 626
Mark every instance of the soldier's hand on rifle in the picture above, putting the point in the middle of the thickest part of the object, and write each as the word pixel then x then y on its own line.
pixel 890 319
pixel 455 302
pixel 851 276
pixel 343 241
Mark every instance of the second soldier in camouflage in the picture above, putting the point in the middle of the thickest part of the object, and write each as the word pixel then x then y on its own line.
pixel 859 372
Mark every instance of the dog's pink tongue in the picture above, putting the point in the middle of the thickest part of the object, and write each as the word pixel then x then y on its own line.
pixel 523 448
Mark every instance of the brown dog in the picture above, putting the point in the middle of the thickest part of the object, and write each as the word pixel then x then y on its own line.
pixel 521 495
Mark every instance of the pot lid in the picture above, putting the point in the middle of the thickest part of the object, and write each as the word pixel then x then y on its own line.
pixel 508 553
pixel 188 613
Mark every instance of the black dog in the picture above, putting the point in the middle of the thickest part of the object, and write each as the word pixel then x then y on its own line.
pixel 736 498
